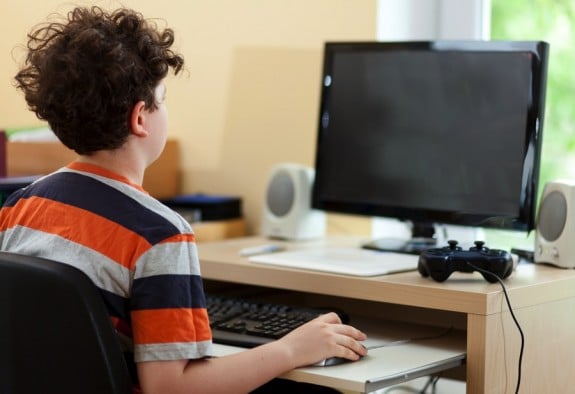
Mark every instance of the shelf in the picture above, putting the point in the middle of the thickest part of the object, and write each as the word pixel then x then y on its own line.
pixel 403 353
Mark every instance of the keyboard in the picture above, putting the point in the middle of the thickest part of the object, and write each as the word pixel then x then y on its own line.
pixel 247 323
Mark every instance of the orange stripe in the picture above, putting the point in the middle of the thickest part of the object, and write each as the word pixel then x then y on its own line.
pixel 188 237
pixel 185 325
pixel 79 226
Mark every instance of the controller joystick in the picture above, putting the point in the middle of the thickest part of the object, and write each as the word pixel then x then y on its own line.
pixel 479 246
pixel 440 263
pixel 452 245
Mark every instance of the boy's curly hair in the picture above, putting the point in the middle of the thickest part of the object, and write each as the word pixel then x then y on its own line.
pixel 84 75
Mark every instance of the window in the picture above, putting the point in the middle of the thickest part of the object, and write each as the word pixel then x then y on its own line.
pixel 552 21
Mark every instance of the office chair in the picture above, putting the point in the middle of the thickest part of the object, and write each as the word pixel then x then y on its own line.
pixel 55 333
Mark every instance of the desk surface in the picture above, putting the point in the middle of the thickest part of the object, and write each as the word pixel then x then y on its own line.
pixel 542 297
pixel 462 292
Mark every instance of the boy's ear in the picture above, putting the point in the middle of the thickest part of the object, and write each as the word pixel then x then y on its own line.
pixel 137 119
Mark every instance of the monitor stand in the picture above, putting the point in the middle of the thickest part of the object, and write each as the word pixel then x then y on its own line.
pixel 422 238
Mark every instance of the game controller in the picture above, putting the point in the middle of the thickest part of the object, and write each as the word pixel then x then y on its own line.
pixel 440 263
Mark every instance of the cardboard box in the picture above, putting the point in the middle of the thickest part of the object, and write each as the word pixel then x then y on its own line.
pixel 219 229
pixel 162 178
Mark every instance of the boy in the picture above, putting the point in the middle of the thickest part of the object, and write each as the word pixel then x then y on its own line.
pixel 97 78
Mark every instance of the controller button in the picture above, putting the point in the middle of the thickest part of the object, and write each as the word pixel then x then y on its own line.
pixel 479 244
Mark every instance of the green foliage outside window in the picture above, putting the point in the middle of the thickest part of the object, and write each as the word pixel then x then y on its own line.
pixel 552 21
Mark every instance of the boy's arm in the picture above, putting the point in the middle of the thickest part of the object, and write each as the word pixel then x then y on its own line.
pixel 243 372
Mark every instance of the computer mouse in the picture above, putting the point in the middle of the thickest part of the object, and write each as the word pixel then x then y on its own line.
pixel 328 362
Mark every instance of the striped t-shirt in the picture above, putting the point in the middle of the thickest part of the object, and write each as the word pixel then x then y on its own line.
pixel 140 254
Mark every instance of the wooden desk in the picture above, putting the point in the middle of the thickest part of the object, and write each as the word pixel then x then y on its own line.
pixel 542 297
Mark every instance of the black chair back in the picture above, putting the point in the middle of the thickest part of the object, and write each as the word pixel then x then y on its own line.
pixel 55 334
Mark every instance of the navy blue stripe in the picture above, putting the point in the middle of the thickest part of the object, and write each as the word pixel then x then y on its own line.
pixel 168 291
pixel 116 305
pixel 92 195
pixel 13 198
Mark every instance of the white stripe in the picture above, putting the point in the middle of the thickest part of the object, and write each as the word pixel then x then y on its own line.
pixel 173 351
pixel 177 258
pixel 104 272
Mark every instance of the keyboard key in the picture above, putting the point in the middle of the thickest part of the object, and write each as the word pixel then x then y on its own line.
pixel 244 323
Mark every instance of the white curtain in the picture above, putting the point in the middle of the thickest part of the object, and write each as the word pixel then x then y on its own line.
pixel 399 20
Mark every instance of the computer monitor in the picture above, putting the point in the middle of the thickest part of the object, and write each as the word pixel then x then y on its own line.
pixel 434 132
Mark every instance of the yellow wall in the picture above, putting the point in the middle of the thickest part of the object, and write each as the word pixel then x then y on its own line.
pixel 251 94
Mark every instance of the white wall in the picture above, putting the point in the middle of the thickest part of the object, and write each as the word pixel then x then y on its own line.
pixel 249 96
pixel 433 19
pixel 400 20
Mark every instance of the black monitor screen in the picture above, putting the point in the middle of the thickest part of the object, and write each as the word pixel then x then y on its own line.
pixel 443 132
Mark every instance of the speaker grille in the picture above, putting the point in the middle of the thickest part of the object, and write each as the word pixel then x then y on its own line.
pixel 552 216
pixel 281 194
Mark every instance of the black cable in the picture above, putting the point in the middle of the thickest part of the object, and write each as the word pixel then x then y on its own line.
pixel 431 382
pixel 434 384
pixel 514 319
pixel 403 388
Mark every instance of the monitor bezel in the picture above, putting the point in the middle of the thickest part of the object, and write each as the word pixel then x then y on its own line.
pixel 525 218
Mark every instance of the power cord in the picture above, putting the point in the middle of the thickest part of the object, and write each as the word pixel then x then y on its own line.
pixel 512 315
pixel 431 382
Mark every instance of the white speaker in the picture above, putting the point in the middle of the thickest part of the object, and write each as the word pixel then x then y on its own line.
pixel 555 230
pixel 287 212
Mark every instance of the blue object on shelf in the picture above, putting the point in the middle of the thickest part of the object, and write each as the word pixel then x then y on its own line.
pixel 206 207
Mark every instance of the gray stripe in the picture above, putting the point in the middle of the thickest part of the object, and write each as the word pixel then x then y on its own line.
pixel 178 258
pixel 173 351
pixel 98 267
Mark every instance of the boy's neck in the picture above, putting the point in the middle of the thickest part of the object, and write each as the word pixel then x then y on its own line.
pixel 119 162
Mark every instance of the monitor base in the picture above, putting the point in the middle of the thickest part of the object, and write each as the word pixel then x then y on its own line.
pixel 412 246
